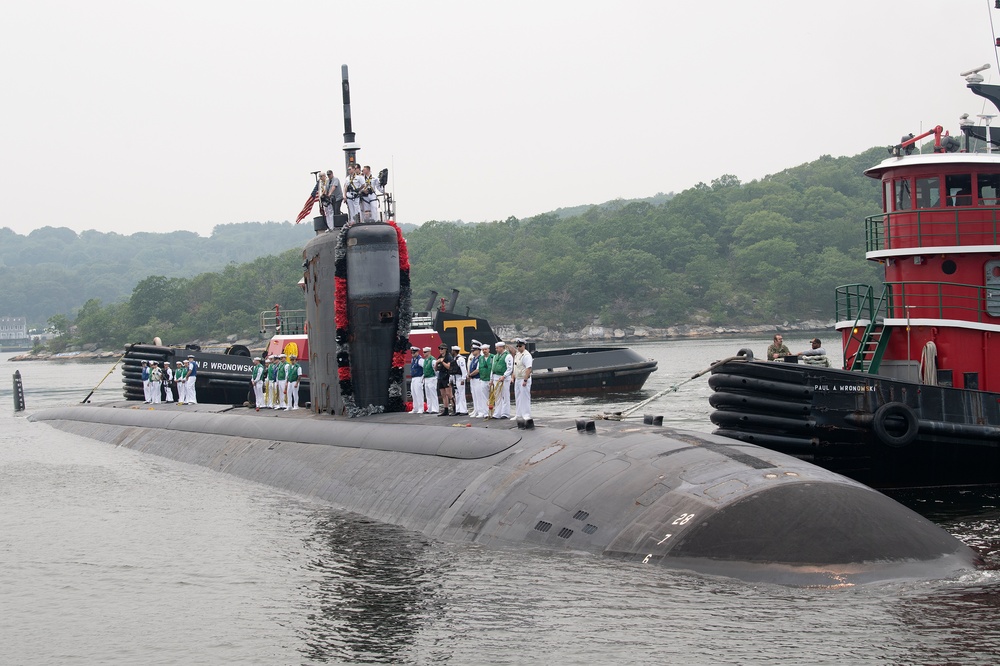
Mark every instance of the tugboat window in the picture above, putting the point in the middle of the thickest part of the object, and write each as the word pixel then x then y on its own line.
pixel 887 202
pixel 948 267
pixel 989 186
pixel 903 195
pixel 928 192
pixel 959 189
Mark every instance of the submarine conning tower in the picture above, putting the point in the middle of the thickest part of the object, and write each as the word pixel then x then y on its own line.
pixel 357 286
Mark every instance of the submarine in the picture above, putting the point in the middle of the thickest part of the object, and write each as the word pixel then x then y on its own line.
pixel 635 491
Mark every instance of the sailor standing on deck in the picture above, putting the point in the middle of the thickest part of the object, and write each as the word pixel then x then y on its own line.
pixel 155 379
pixel 180 375
pixel 461 381
pixel 191 378
pixel 430 383
pixel 485 365
pixel 146 399
pixel 474 382
pixel 416 380
pixel 281 376
pixel 168 381
pixel 257 381
pixel 522 380
pixel 273 374
pixel 502 369
pixel 294 373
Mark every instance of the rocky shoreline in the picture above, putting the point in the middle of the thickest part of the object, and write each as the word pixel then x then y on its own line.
pixel 539 334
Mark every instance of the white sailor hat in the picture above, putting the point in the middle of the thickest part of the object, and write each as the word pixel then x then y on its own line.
pixel 412 348
pixel 484 346
pixel 499 343
pixel 190 355
pixel 166 363
pixel 154 362
pixel 426 349
pixel 282 356
pixel 520 341
pixel 456 348
pixel 145 362
pixel 292 356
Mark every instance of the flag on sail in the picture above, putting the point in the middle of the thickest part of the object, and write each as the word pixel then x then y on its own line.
pixel 310 202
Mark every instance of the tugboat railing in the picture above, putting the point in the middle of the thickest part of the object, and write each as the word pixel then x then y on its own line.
pixel 917 300
pixel 858 301
pixel 939 300
pixel 864 348
pixel 933 227
pixel 289 322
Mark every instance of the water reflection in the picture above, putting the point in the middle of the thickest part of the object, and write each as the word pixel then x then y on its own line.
pixel 374 588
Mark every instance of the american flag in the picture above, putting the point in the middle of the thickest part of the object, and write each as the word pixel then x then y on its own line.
pixel 310 202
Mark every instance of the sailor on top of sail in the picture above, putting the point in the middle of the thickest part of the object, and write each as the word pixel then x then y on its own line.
pixel 355 183
pixel 370 190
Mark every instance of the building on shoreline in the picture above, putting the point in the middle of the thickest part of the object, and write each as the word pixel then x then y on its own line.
pixel 13 328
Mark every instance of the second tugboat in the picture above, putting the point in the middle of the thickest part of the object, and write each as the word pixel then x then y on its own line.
pixel 918 400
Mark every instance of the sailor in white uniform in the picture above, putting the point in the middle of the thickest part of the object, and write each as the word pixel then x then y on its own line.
pixel 355 183
pixel 168 394
pixel 430 383
pixel 370 192
pixel 522 380
pixel 417 380
pixel 257 379
pixel 461 381
pixel 190 382
pixel 155 380
pixel 503 368
pixel 475 384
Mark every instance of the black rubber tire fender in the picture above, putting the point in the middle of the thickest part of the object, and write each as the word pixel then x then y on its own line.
pixel 895 410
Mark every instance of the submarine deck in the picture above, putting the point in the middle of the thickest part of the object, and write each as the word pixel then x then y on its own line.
pixel 306 427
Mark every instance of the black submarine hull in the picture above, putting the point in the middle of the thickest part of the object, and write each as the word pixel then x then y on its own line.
pixel 646 494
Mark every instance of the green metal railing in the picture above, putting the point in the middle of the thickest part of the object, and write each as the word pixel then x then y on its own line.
pixel 906 300
pixel 858 302
pixel 923 300
pixel 933 227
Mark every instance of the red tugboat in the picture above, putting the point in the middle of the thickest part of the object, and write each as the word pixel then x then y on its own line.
pixel 918 400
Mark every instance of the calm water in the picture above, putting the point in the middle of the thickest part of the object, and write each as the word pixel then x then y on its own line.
pixel 110 556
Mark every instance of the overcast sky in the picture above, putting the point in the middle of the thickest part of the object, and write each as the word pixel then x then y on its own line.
pixel 133 116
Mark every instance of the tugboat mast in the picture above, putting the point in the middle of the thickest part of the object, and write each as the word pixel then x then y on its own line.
pixel 350 146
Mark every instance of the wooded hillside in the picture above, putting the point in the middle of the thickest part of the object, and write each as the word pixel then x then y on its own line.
pixel 763 252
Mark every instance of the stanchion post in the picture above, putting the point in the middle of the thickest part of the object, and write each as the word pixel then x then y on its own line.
pixel 18 392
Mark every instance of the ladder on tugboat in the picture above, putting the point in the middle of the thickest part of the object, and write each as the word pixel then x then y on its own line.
pixel 875 337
